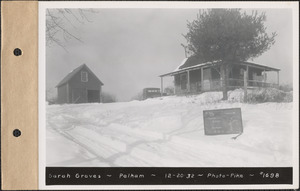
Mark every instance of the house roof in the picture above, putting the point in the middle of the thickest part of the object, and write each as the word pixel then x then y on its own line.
pixel 194 62
pixel 74 72
pixel 190 61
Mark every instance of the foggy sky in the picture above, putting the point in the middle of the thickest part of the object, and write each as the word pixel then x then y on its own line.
pixel 129 48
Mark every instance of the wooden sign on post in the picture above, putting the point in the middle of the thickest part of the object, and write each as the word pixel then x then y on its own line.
pixel 223 121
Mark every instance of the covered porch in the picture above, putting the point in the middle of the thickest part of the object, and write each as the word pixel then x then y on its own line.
pixel 207 77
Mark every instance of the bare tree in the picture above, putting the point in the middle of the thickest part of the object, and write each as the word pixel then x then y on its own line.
pixel 62 25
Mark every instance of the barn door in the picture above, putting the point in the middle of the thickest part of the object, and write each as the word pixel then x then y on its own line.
pixel 93 96
pixel 77 95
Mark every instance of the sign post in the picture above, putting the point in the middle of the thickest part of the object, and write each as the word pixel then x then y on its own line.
pixel 223 121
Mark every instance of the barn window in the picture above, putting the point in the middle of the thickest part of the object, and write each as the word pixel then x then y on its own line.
pixel 84 76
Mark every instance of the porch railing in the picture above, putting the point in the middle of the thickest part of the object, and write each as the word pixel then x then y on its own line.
pixel 235 83
pixel 250 83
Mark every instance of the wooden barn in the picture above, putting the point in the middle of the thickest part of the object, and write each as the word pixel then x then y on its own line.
pixel 194 76
pixel 80 86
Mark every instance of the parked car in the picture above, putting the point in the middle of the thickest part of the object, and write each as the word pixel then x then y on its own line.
pixel 151 93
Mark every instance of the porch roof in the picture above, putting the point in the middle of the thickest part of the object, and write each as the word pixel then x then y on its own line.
pixel 187 66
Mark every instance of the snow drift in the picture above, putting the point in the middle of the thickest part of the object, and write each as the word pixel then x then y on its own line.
pixel 167 132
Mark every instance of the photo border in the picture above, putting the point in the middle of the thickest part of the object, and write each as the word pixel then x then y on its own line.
pixel 166 5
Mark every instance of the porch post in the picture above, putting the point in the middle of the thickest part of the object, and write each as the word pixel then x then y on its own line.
pixel 188 81
pixel 162 85
pixel 247 75
pixel 245 84
pixel 201 79
pixel 278 78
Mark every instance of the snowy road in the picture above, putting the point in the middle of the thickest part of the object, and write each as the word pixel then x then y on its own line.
pixel 166 132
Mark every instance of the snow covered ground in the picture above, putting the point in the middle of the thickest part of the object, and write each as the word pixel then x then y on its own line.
pixel 167 132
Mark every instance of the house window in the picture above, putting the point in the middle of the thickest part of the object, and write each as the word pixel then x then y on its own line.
pixel 84 76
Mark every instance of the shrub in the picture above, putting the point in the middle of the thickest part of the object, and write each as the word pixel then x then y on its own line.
pixel 51 96
pixel 288 97
pixel 286 87
pixel 269 95
pixel 138 96
pixel 169 90
pixel 108 98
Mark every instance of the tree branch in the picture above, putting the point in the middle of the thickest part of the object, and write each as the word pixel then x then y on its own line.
pixel 63 29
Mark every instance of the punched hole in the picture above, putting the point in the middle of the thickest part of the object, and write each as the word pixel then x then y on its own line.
pixel 17 133
pixel 17 52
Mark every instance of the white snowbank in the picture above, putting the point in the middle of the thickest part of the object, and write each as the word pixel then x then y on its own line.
pixel 167 132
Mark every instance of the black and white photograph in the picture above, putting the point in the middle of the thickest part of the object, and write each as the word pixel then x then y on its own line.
pixel 191 87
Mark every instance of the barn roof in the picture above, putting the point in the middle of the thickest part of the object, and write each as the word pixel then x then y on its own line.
pixel 75 71
pixel 194 62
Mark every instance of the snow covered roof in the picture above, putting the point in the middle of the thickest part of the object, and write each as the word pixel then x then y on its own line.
pixel 191 61
pixel 73 72
pixel 182 63
pixel 197 65
pixel 266 68
pixel 194 62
